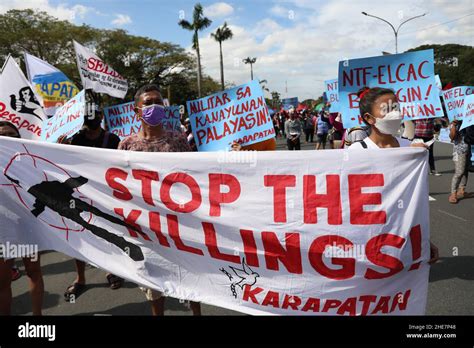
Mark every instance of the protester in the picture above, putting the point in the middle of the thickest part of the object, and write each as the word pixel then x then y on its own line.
pixel 384 124
pixel 189 135
pixel 32 263
pixel 282 118
pixel 293 132
pixel 276 125
pixel 308 127
pixel 461 158
pixel 336 131
pixel 152 137
pixel 424 130
pixel 322 129
pixel 92 135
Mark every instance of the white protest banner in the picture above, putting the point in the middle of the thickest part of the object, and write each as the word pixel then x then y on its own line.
pixel 50 84
pixel 454 101
pixel 468 112
pixel 237 114
pixel 410 75
pixel 309 233
pixel 97 75
pixel 67 121
pixel 122 120
pixel 18 103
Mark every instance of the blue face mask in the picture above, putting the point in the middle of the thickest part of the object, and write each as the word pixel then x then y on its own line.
pixel 154 114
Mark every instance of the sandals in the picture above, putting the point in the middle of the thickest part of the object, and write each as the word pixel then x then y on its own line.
pixel 74 291
pixel 453 199
pixel 16 274
pixel 114 281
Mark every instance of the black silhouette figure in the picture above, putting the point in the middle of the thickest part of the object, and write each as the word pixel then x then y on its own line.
pixel 26 103
pixel 58 197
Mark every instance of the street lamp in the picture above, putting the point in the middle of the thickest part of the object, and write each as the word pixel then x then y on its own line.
pixel 395 31
pixel 250 61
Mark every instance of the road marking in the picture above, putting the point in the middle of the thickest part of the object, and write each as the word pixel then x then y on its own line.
pixel 452 215
pixel 432 199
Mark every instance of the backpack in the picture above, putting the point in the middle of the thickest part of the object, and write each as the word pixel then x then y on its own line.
pixel 468 134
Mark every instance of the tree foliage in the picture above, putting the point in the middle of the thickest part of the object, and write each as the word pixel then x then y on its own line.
pixel 453 63
pixel 139 59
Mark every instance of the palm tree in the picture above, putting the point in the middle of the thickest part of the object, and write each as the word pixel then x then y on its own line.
pixel 222 33
pixel 250 61
pixel 199 23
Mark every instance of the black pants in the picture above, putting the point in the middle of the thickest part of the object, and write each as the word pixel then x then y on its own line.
pixel 293 145
pixel 309 133
pixel 431 151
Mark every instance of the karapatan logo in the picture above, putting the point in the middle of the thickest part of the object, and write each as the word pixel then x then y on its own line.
pixel 241 277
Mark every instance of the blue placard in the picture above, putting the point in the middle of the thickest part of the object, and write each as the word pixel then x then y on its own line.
pixel 468 112
pixel 237 114
pixel 67 120
pixel 410 75
pixel 454 101
pixel 288 103
pixel 122 121
pixel 332 94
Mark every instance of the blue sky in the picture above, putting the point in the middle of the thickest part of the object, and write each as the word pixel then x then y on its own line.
pixel 297 42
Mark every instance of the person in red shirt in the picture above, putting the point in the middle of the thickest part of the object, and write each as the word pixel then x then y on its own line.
pixel 424 130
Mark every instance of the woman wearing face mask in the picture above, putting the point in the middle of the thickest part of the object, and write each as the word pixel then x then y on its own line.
pixel 379 110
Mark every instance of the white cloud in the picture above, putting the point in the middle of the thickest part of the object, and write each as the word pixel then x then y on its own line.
pixel 280 11
pixel 305 51
pixel 121 20
pixel 219 9
pixel 61 11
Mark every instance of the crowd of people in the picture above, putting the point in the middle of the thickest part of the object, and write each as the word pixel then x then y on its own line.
pixel 380 130
pixel 328 128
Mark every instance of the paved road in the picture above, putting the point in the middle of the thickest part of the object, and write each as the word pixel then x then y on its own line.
pixel 451 288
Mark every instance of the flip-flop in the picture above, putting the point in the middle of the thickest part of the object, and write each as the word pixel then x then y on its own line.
pixel 115 282
pixel 75 289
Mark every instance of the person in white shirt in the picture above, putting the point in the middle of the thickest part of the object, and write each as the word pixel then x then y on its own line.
pixel 380 110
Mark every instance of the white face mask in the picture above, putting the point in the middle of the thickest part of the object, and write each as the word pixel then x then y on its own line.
pixel 390 123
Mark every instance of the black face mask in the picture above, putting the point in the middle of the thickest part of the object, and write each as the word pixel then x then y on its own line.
pixel 93 123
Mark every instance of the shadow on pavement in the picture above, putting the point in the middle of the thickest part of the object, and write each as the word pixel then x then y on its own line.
pixel 21 304
pixel 439 193
pixel 461 267
pixel 142 308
